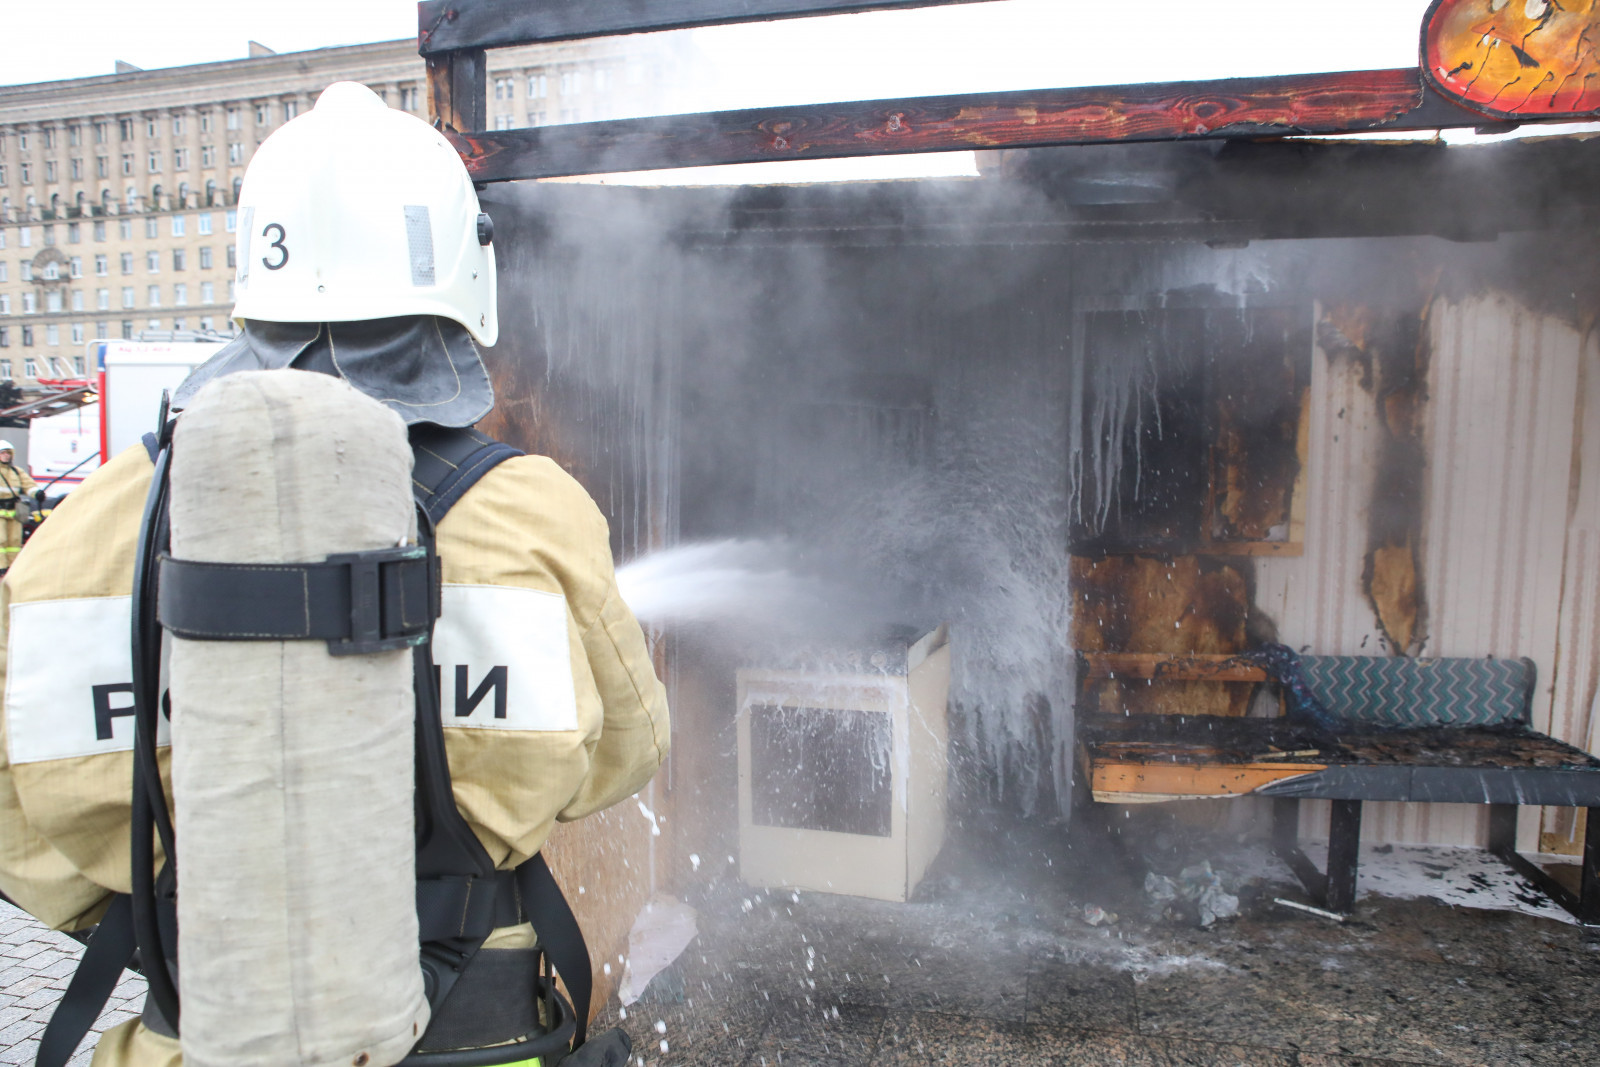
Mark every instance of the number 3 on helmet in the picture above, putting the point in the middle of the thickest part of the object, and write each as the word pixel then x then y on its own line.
pixel 357 211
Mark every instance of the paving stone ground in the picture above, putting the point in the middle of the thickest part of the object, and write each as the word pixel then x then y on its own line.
pixel 35 966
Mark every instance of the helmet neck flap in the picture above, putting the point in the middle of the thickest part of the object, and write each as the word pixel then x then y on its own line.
pixel 425 368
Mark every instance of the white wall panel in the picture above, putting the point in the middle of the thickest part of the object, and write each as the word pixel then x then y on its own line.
pixel 1499 431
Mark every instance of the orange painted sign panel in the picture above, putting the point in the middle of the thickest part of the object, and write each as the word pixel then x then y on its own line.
pixel 1510 59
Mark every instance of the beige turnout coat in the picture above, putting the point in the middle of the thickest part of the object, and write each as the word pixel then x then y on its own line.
pixel 66 734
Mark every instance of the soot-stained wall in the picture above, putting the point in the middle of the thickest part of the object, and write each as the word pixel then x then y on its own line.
pixel 933 394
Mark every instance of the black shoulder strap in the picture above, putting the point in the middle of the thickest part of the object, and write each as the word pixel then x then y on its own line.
pixel 447 462
pixel 110 950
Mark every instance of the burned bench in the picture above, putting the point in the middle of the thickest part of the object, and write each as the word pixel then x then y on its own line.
pixel 1451 730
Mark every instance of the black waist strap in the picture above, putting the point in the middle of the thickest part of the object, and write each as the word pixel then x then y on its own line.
pixel 358 601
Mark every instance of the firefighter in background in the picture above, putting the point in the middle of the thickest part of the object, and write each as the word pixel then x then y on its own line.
pixel 16 503
pixel 362 254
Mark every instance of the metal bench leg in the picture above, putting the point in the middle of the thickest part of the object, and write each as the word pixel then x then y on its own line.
pixel 1589 891
pixel 1584 904
pixel 1285 824
pixel 1344 855
pixel 1502 828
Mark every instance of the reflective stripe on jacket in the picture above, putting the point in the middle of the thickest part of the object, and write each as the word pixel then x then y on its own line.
pixel 533 735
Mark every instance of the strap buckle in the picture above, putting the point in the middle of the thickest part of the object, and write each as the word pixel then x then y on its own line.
pixel 367 595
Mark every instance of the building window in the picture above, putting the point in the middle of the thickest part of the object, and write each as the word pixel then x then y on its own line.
pixel 538 86
pixel 208 155
pixel 152 228
pixel 2 174
pixel 75 267
pixel 208 293
pixel 77 335
pixel 203 224
pixel 180 295
pixel 180 324
pixel 49 235
pixel 291 108
pixel 102 299
pixel 102 167
pixel 22 140
pixel 154 324
pixel 52 334
pixel 127 329
pixel 230 290
pixel 5 342
pixel 125 127
pixel 100 231
pixel 52 302
pixel 205 122
pixel 5 270
pixel 230 222
pixel 102 330
pixel 236 153
pixel 504 122
pixel 153 296
pixel 5 303
pixel 152 262
pixel 155 162
pixel 206 324
pixel 180 159
pixel 150 129
pixel 408 98
pixel 127 296
pixel 25 237
pixel 27 270
pixel 127 163
pixel 27 342
pixel 126 262
pixel 30 303
pixel 102 266
pixel 263 114
pixel 233 118
pixel 233 256
pixel 77 168
pixel 77 300
pixel 49 137
pixel 77 361
pixel 177 125
pixel 179 259
pixel 205 258
pixel 27 172
pixel 504 88
pixel 125 229
pixel 30 367
pixel 179 224
pixel 571 82
pixel 74 236
pixel 99 133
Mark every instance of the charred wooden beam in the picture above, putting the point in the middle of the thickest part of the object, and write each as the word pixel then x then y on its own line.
pixel 446 25
pixel 1169 667
pixel 1232 108
pixel 458 84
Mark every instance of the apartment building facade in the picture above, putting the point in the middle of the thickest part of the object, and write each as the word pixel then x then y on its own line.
pixel 117 192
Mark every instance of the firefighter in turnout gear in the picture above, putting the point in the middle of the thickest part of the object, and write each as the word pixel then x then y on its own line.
pixel 16 503
pixel 364 256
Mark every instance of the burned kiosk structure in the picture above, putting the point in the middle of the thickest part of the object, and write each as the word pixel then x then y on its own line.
pixel 1123 414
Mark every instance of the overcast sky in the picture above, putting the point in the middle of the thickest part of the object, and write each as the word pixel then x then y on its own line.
pixel 1006 44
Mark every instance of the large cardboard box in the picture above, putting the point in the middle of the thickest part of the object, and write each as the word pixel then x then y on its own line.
pixel 842 769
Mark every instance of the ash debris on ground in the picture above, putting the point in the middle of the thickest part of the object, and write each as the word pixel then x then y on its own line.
pixel 994 962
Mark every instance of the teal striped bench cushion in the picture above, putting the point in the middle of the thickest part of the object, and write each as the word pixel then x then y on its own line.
pixel 1406 692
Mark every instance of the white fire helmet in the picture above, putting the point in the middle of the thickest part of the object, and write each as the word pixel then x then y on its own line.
pixel 7 446
pixel 357 211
